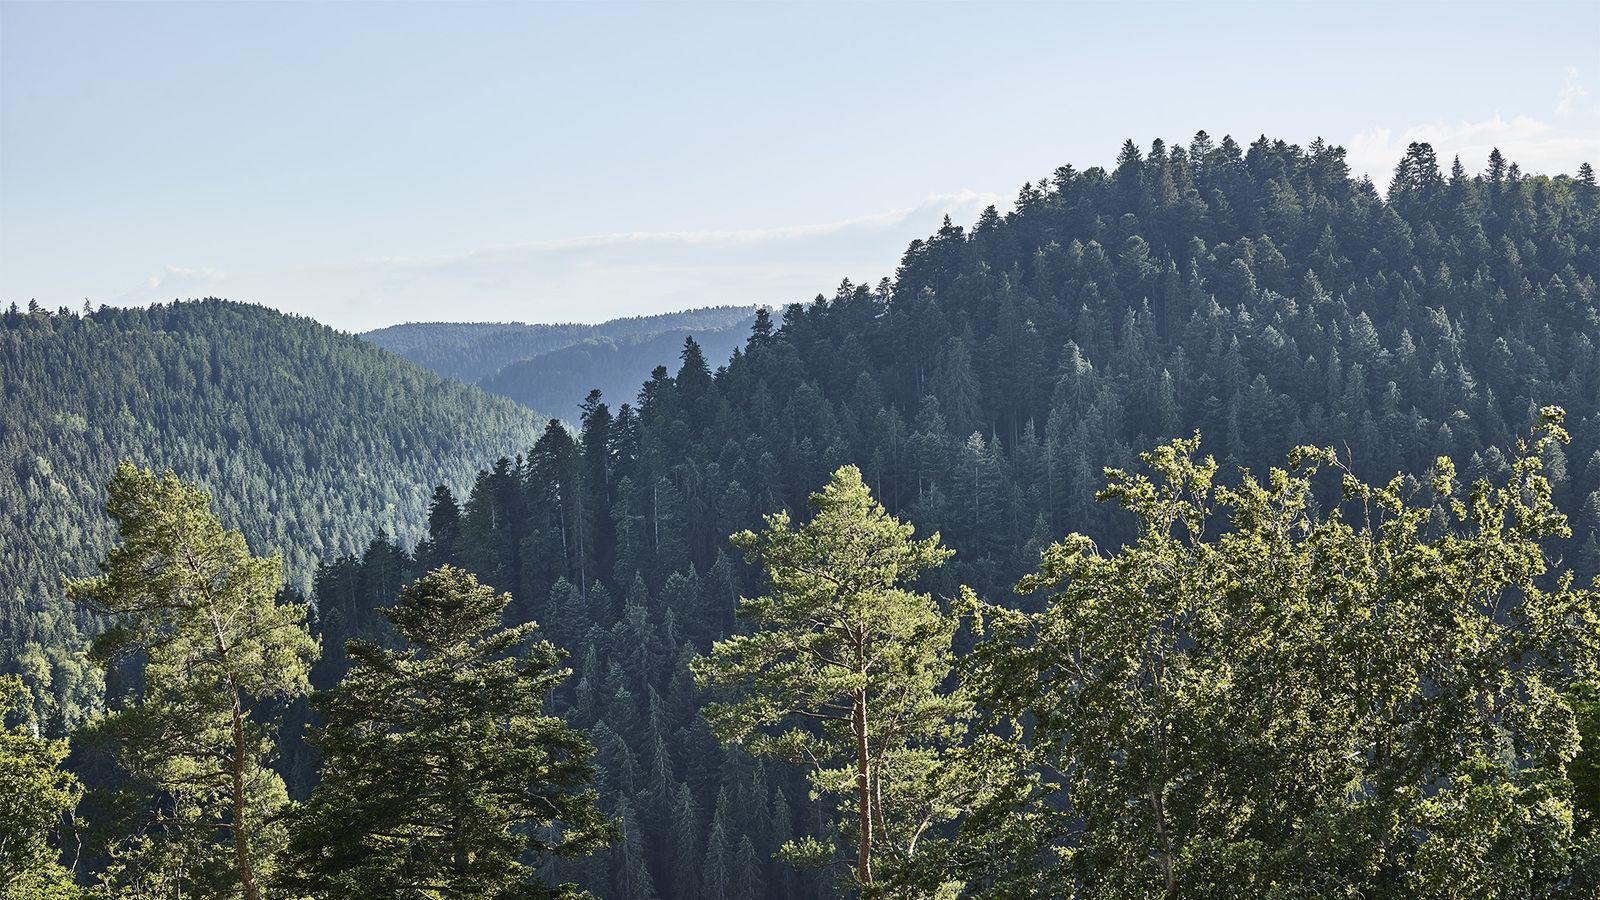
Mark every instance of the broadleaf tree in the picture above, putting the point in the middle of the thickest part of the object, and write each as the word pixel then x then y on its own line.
pixel 1267 695
pixel 36 795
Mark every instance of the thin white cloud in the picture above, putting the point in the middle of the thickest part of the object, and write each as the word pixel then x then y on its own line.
pixel 595 277
pixel 175 282
pixel 1553 146
pixel 1572 93
pixel 960 203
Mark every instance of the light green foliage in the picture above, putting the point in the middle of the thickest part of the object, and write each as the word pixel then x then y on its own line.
pixel 188 602
pixel 1260 698
pixel 441 771
pixel 843 670
pixel 35 795
pixel 1584 772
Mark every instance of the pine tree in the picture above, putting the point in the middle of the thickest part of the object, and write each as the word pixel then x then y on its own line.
pixel 440 767
pixel 716 872
pixel 694 376
pixel 599 477
pixel 843 668
pixel 187 599
pixel 958 391
pixel 686 846
pixel 761 329
pixel 444 529
pixel 630 876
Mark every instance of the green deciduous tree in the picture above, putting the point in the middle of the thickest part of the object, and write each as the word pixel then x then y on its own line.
pixel 844 666
pixel 441 770
pixel 35 795
pixel 187 600
pixel 1262 697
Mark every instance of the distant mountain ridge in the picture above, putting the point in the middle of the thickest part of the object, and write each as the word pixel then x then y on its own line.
pixel 555 383
pixel 472 351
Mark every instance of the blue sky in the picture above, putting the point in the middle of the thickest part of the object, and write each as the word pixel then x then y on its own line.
pixel 368 163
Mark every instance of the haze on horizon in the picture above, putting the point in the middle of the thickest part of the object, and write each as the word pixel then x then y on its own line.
pixel 370 164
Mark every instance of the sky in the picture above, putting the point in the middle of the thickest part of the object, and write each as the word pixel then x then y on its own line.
pixel 367 164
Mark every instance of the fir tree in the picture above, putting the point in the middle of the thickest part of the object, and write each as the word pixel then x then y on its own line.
pixel 440 767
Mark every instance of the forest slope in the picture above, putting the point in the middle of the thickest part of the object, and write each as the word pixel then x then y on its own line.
pixel 310 440
pixel 1260 294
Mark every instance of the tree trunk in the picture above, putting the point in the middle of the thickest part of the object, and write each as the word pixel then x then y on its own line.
pixel 863 791
pixel 241 825
pixel 1158 808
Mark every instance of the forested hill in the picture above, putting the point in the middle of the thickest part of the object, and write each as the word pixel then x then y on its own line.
pixel 310 440
pixel 556 382
pixel 471 351
pixel 1260 294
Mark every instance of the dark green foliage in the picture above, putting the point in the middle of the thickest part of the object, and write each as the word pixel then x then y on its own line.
pixel 441 769
pixel 1258 293
pixel 308 439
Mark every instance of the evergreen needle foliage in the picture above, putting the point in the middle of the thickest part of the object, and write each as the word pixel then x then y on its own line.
pixel 198 616
pixel 308 439
pixel 1311 696
pixel 442 772
pixel 844 668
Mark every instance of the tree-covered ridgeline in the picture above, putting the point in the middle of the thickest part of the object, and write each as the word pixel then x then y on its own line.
pixel 474 351
pixel 556 382
pixel 1259 294
pixel 308 439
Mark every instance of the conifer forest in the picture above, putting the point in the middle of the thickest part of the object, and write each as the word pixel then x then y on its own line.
pixel 1212 524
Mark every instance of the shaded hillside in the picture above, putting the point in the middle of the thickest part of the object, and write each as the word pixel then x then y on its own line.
pixel 309 439
pixel 1260 294
pixel 469 351
pixel 556 382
